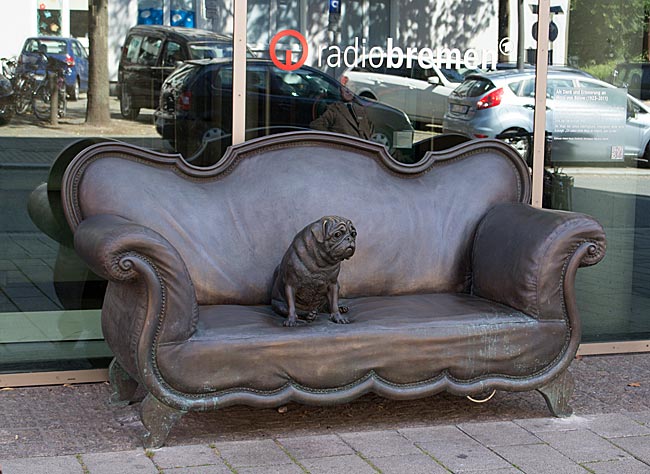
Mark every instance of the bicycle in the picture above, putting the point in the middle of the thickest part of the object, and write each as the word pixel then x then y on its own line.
pixel 7 107
pixel 42 98
pixel 25 84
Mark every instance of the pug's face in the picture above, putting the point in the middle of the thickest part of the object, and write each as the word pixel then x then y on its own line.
pixel 336 235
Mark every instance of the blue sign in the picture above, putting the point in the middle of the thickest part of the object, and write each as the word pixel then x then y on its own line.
pixel 335 6
pixel 150 16
pixel 182 18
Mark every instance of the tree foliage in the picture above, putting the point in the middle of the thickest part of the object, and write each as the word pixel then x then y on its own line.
pixel 603 31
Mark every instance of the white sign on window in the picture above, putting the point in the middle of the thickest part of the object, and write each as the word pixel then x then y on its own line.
pixel 50 4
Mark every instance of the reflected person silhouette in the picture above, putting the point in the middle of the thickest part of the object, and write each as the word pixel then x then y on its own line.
pixel 347 116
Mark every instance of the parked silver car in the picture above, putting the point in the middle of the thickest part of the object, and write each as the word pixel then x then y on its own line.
pixel 501 105
pixel 419 91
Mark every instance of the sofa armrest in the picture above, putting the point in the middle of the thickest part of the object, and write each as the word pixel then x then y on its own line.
pixel 128 253
pixel 522 257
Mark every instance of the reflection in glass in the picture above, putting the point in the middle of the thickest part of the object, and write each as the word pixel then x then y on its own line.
pixel 183 13
pixel 49 299
pixel 600 154
pixel 150 12
pixel 198 108
pixel 595 155
pixel 49 22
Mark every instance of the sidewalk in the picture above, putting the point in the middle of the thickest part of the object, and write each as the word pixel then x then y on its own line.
pixel 613 443
pixel 61 430
pixel 30 143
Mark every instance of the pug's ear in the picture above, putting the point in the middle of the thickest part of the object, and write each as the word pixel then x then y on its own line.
pixel 319 230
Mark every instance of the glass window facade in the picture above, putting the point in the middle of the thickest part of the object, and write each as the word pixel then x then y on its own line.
pixel 400 76
pixel 600 157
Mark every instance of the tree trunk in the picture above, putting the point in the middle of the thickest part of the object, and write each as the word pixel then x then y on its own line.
pixel 97 111
pixel 504 28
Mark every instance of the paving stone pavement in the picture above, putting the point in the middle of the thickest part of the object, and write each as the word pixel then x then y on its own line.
pixel 533 446
pixel 70 430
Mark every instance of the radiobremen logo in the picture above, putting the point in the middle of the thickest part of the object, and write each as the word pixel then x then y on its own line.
pixel 288 64
pixel 396 57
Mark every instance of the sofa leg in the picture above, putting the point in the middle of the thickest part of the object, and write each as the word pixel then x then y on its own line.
pixel 123 385
pixel 557 394
pixel 158 419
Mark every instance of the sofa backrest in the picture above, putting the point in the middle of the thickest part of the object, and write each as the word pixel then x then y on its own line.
pixel 233 222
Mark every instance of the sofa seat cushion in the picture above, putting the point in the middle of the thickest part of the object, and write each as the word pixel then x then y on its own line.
pixel 405 339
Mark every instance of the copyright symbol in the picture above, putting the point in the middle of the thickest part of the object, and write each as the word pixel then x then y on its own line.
pixel 505 46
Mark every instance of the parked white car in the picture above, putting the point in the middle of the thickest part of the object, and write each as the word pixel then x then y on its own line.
pixel 421 90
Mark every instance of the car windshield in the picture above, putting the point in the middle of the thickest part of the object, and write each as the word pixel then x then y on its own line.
pixel 455 75
pixel 179 76
pixel 305 83
pixel 216 49
pixel 46 46
pixel 473 87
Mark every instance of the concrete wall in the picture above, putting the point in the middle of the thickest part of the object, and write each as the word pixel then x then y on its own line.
pixel 122 15
pixel 18 23
pixel 461 24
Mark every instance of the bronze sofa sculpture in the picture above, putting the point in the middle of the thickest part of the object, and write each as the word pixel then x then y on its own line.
pixel 458 284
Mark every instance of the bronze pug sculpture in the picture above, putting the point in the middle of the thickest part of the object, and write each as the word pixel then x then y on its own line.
pixel 306 282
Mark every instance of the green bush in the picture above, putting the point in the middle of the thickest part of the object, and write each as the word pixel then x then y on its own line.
pixel 602 71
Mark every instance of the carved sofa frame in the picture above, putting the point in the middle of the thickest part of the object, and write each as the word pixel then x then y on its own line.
pixel 457 285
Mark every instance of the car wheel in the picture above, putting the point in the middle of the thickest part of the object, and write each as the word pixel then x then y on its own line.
pixel 383 138
pixel 127 108
pixel 368 95
pixel 520 140
pixel 645 162
pixel 74 91
pixel 211 134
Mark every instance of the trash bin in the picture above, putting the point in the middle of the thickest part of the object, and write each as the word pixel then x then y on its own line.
pixel 558 190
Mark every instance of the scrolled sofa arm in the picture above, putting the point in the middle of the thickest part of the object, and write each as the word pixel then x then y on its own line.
pixel 122 251
pixel 522 257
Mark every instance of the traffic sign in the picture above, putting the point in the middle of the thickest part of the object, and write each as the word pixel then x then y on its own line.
pixel 553 31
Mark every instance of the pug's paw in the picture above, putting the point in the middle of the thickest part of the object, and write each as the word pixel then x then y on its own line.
pixel 338 319
pixel 290 322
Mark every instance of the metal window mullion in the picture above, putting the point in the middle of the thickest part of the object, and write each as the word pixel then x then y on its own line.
pixel 239 72
pixel 539 127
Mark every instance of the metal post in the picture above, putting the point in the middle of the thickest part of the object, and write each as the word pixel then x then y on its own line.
pixel 53 84
pixel 539 130
pixel 521 35
pixel 239 72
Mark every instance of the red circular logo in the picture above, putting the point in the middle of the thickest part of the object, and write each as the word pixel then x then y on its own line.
pixel 288 65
